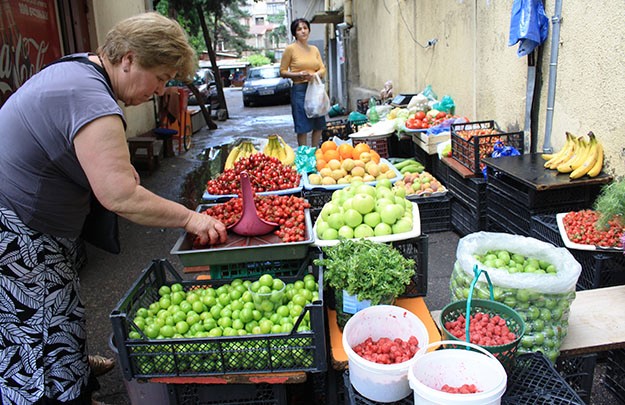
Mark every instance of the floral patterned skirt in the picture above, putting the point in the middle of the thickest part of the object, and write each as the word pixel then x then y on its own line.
pixel 43 352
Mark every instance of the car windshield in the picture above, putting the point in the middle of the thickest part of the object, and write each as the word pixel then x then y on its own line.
pixel 265 73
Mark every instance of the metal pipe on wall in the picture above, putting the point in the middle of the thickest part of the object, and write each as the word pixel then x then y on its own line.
pixel 553 72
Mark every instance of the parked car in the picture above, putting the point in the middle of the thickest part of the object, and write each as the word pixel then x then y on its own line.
pixel 204 80
pixel 265 84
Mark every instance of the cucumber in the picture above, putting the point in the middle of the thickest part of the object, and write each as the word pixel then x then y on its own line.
pixel 405 163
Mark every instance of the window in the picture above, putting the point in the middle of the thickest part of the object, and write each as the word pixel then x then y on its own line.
pixel 259 20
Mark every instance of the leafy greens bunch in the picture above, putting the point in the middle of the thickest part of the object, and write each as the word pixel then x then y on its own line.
pixel 370 270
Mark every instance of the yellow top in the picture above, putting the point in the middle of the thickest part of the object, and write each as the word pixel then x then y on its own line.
pixel 296 59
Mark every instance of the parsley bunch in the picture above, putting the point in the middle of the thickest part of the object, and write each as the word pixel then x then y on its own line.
pixel 370 270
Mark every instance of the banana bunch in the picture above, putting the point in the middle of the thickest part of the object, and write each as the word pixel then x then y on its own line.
pixel 581 155
pixel 278 148
pixel 242 150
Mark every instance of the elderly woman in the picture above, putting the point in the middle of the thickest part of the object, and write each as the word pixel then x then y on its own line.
pixel 63 141
pixel 300 62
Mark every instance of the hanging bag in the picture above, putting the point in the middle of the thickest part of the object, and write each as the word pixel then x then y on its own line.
pixel 316 102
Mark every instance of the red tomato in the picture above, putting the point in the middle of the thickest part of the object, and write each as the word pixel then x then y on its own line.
pixel 419 115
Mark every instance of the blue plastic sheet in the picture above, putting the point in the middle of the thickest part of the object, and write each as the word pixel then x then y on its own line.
pixel 529 25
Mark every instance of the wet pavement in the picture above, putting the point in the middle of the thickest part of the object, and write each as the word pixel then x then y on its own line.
pixel 106 278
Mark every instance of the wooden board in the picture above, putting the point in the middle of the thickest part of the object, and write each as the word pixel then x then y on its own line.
pixel 458 167
pixel 529 169
pixel 296 377
pixel 594 322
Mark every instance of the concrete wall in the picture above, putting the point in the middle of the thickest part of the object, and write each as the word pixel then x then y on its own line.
pixel 104 15
pixel 473 63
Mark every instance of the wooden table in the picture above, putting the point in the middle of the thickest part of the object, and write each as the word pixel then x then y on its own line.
pixel 594 322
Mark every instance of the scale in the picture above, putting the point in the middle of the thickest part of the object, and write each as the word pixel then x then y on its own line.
pixel 402 100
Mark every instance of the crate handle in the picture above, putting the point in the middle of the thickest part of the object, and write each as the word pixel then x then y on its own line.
pixel 477 272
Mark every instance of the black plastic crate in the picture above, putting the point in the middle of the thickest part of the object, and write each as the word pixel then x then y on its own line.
pixel 615 373
pixel 534 380
pixel 317 198
pixel 471 191
pixel 416 249
pixel 338 128
pixel 469 152
pixel 579 197
pixel 401 147
pixel 148 358
pixel 380 145
pixel 239 394
pixel 353 397
pixel 599 269
pixel 440 170
pixel 277 268
pixel 578 372
pixel 435 213
pixel 423 157
pixel 466 219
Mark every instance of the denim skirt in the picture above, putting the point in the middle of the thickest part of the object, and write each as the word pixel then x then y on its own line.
pixel 301 122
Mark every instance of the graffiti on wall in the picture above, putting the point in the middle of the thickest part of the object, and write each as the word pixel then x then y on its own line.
pixel 30 39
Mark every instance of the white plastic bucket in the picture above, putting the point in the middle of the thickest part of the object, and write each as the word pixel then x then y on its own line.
pixel 456 367
pixel 382 382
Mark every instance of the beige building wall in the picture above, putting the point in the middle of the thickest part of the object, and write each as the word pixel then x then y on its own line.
pixel 105 14
pixel 473 63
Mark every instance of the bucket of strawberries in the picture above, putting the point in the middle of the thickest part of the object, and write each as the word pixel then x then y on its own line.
pixel 487 323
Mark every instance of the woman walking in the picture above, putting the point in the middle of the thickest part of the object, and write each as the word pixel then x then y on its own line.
pixel 301 62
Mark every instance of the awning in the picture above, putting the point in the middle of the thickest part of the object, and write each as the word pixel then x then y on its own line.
pixel 328 17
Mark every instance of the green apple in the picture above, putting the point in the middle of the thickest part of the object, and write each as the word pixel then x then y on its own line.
pixel 386 183
pixel 346 232
pixel 399 200
pixel 336 220
pixel 330 234
pixel 352 218
pixel 383 192
pixel 399 210
pixel 402 225
pixel 338 195
pixel 347 204
pixel 400 191
pixel 389 214
pixel 328 209
pixel 372 219
pixel 365 189
pixel 321 227
pixel 380 203
pixel 363 231
pixel 363 203
pixel 382 229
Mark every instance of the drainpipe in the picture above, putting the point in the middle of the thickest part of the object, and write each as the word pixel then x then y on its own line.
pixel 553 72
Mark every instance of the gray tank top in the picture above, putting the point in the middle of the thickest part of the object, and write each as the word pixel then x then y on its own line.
pixel 41 179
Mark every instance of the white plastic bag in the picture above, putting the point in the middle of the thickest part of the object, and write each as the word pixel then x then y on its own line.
pixel 316 102
pixel 481 242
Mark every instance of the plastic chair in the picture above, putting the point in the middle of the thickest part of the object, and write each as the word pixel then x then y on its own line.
pixel 173 115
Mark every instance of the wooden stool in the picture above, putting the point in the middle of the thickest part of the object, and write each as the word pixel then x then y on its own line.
pixel 145 149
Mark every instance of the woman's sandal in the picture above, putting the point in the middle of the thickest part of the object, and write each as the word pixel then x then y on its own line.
pixel 100 365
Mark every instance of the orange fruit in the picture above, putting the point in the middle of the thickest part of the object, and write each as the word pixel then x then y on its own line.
pixel 331 154
pixel 319 154
pixel 321 163
pixel 374 156
pixel 328 145
pixel 346 150
pixel 358 149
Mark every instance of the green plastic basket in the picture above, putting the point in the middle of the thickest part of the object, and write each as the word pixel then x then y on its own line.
pixel 506 354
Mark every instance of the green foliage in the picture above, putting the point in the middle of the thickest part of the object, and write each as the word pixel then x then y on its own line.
pixel 610 203
pixel 258 60
pixel 372 271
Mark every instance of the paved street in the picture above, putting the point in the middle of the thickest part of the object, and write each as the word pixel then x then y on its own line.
pixel 106 278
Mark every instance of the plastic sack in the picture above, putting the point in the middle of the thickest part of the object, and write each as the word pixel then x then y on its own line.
pixel 446 105
pixel 429 93
pixel 443 149
pixel 499 150
pixel 568 269
pixel 529 25
pixel 305 160
pixel 419 102
pixel 316 102
pixel 355 116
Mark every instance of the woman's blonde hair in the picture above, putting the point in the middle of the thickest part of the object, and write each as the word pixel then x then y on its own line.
pixel 155 41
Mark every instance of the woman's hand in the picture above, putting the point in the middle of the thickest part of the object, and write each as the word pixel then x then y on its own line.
pixel 206 228
pixel 305 75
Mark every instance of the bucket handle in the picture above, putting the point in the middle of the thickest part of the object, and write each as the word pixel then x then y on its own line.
pixel 460 342
pixel 477 272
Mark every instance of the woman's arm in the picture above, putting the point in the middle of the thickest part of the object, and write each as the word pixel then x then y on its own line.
pixel 103 154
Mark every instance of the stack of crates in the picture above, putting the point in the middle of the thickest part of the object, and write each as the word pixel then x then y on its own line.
pixel 511 204
pixel 435 213
pixel 468 206
pixel 339 128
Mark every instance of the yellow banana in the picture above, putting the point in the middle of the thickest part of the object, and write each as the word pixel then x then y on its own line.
pixel 232 157
pixel 596 168
pixel 566 154
pixel 558 155
pixel 547 156
pixel 579 157
pixel 268 150
pixel 588 164
pixel 289 158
